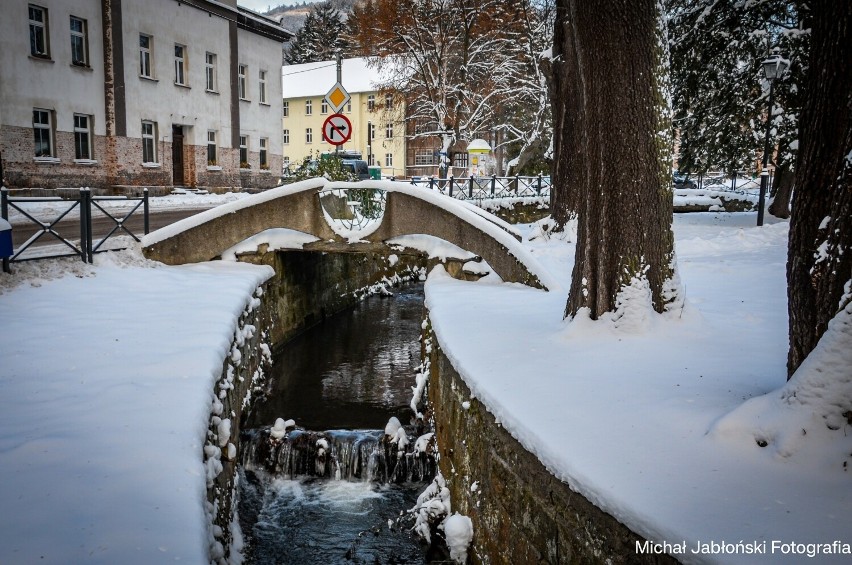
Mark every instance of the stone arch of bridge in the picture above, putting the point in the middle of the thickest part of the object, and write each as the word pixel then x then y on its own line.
pixel 407 210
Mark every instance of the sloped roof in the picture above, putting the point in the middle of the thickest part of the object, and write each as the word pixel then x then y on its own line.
pixel 316 79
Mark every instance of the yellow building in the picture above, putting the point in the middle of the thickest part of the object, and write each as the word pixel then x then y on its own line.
pixel 368 110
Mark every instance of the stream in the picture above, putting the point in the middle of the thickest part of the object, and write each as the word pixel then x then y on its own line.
pixel 332 489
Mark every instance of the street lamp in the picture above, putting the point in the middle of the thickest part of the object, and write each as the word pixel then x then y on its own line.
pixel 773 67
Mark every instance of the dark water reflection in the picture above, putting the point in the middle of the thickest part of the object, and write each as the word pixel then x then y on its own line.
pixel 354 371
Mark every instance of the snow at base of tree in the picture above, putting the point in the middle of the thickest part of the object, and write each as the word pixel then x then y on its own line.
pixel 809 417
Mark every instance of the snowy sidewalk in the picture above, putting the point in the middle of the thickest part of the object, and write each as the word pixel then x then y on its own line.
pixel 106 374
pixel 623 413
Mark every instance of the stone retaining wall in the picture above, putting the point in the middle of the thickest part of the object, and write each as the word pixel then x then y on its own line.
pixel 243 374
pixel 521 513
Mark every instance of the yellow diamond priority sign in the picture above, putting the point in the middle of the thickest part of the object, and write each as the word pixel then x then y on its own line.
pixel 337 97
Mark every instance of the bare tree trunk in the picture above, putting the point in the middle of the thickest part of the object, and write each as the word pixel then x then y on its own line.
pixel 612 141
pixel 782 190
pixel 564 95
pixel 819 264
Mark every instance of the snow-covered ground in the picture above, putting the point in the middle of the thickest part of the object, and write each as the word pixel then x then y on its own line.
pixel 646 417
pixel 106 373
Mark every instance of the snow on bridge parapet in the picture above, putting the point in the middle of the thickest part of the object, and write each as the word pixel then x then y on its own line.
pixel 408 210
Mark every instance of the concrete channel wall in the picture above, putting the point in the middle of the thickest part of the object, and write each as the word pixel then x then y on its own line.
pixel 521 513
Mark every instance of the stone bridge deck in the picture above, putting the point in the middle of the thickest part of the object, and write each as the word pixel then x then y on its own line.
pixel 405 210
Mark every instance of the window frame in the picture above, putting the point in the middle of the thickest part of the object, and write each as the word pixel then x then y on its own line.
pixel 261 83
pixel 242 84
pixel 309 107
pixel 389 130
pixel 388 101
pixel 34 27
pixel 83 37
pixel 83 133
pixel 285 109
pixel 424 157
pixel 285 137
pixel 149 138
pixel 210 74
pixel 324 107
pixel 212 149
pixel 146 56
pixel 264 152
pixel 371 103
pixel 43 129
pixel 309 135
pixel 244 151
pixel 389 160
pixel 181 66
pixel 460 160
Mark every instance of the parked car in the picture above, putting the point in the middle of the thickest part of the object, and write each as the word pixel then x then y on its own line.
pixel 357 167
pixel 681 180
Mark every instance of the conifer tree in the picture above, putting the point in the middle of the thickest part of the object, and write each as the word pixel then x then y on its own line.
pixel 320 38
pixel 719 93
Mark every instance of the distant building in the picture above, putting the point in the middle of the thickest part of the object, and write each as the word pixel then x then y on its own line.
pixel 161 93
pixel 373 113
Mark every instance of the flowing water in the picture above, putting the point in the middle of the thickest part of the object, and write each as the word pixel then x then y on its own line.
pixel 334 490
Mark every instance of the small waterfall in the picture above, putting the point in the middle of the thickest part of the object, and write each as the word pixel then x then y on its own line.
pixel 348 455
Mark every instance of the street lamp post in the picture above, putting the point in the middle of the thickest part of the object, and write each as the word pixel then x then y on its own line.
pixel 773 67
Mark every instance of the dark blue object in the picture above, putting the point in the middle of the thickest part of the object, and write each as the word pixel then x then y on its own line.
pixel 5 239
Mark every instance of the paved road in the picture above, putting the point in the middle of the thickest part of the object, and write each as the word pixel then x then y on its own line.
pixel 70 229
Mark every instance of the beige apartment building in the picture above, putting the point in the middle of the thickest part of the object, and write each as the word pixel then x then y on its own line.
pixel 377 116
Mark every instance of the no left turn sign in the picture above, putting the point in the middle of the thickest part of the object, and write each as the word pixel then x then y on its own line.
pixel 336 129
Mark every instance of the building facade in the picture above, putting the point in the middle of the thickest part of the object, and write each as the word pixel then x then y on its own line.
pixel 377 116
pixel 127 93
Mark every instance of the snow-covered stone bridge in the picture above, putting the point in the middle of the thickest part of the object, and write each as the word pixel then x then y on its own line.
pixel 368 216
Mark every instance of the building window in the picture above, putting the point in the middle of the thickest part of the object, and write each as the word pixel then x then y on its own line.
pixel 286 109
pixel 309 107
pixel 389 131
pixel 243 71
pixel 460 159
pixel 388 101
pixel 309 135
pixel 82 136
pixel 43 132
pixel 371 103
pixel 210 71
pixel 324 107
pixel 145 46
pixel 388 159
pixel 149 142
pixel 424 157
pixel 180 64
pixel 349 106
pixel 211 148
pixel 371 131
pixel 262 86
pixel 38 31
pixel 264 164
pixel 79 42
pixel 244 162
pixel 285 138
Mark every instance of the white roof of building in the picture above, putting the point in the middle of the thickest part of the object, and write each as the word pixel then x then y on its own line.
pixel 316 79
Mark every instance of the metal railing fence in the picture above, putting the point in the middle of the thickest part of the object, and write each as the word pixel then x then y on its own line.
pixel 482 188
pixel 87 205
